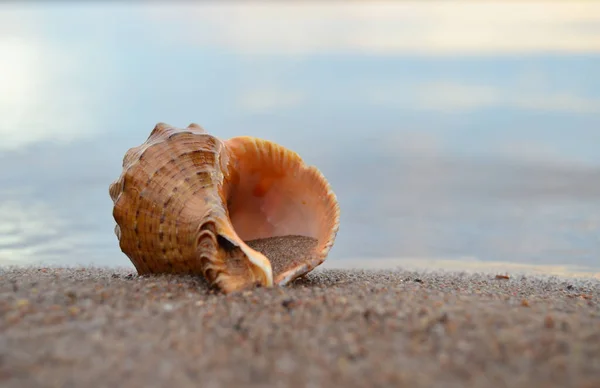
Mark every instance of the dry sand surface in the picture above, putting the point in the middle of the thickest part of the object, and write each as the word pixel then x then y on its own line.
pixel 93 327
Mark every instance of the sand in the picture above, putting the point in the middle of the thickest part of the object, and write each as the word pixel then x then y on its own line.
pixel 285 252
pixel 76 327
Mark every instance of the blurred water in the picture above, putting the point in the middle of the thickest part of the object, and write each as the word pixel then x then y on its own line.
pixel 447 130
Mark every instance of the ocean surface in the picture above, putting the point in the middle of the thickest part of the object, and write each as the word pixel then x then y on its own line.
pixel 449 131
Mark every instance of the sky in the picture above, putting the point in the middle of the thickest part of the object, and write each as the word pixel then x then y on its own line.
pixel 529 67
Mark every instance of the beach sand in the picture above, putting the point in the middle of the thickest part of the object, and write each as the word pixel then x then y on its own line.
pixel 96 327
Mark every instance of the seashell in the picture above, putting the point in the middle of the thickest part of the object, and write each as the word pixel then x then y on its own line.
pixel 190 203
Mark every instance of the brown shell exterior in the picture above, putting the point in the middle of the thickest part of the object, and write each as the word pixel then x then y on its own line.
pixel 171 206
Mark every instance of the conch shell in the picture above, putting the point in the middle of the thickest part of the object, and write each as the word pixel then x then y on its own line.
pixel 189 203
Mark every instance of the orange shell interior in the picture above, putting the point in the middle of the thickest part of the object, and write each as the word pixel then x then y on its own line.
pixel 272 192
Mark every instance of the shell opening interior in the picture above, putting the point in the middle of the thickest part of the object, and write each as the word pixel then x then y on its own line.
pixel 263 206
pixel 261 211
pixel 281 205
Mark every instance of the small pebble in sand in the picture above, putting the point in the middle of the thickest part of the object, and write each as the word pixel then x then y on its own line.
pixel 288 303
pixel 22 303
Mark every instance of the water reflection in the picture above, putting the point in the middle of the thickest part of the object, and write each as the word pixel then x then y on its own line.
pixel 446 141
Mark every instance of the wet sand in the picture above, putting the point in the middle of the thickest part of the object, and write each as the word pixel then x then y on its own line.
pixel 108 327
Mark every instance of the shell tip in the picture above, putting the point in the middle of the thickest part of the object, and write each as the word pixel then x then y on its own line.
pixel 196 127
pixel 161 126
pixel 159 129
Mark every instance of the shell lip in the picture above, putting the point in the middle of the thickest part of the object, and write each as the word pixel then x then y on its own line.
pixel 285 278
pixel 256 258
